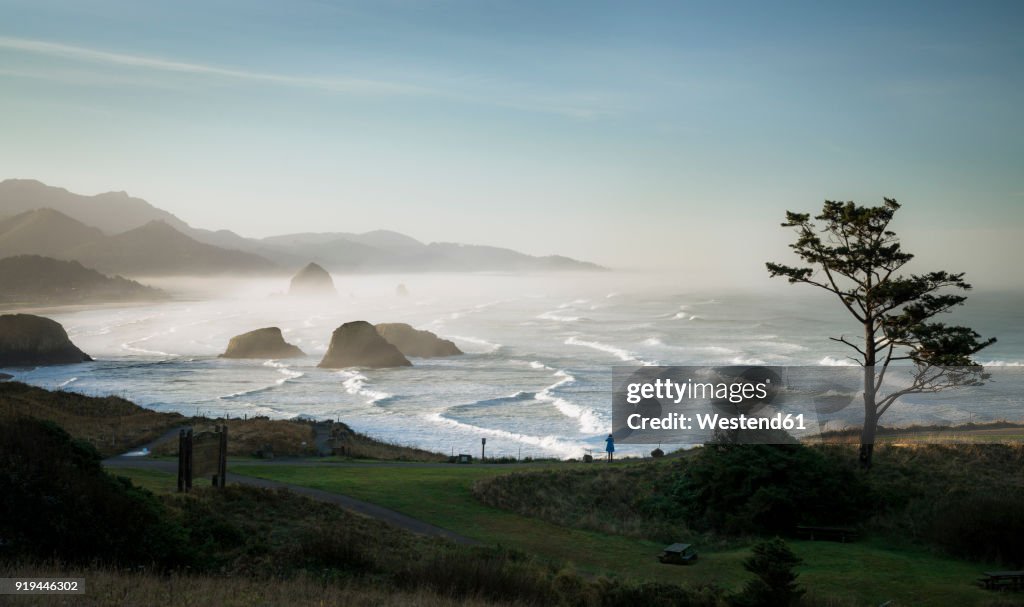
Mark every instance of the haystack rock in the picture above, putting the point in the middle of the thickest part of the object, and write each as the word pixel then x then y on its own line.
pixel 312 280
pixel 357 344
pixel 414 342
pixel 261 343
pixel 27 340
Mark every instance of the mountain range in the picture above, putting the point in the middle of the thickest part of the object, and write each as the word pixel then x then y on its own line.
pixel 117 233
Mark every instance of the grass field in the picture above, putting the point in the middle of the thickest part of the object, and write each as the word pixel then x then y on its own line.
pixel 869 572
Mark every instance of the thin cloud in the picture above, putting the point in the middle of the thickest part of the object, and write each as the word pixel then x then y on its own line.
pixel 79 53
pixel 529 102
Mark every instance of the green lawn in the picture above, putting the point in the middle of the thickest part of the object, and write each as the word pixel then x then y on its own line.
pixel 154 480
pixel 867 571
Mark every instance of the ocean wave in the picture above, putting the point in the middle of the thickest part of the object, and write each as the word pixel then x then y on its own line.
pixel 739 360
pixel 554 444
pixel 67 382
pixel 560 318
pixel 244 393
pixel 536 364
pixel 1002 363
pixel 492 402
pixel 588 420
pixel 492 347
pixel 131 347
pixel 828 361
pixel 355 384
pixel 620 353
pixel 778 345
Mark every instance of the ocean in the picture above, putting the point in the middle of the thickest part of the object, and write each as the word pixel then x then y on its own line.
pixel 536 377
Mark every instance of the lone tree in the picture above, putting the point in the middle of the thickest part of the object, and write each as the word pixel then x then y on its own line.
pixel 854 255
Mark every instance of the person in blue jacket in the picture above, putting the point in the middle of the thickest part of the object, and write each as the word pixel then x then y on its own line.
pixel 609 447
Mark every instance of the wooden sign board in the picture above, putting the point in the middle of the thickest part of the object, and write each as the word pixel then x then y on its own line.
pixel 203 454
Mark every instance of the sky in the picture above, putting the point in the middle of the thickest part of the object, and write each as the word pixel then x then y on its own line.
pixel 633 134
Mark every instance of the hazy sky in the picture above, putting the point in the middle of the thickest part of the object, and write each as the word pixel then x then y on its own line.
pixel 621 132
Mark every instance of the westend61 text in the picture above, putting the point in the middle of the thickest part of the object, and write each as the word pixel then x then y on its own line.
pixel 714 421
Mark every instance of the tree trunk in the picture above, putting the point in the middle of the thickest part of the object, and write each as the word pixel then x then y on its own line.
pixel 867 432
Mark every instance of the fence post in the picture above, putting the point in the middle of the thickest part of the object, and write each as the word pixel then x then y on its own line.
pixel 222 472
pixel 188 461
pixel 181 460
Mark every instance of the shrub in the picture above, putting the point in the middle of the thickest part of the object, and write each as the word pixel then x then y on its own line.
pixel 59 503
pixel 984 526
pixel 768 488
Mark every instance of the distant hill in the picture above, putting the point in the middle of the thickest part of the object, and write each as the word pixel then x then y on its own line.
pixel 44 232
pixel 383 250
pixel 153 249
pixel 111 212
pixel 117 214
pixel 36 280
pixel 158 249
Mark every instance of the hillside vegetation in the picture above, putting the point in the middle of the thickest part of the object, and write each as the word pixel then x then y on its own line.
pixel 964 499
pixel 113 425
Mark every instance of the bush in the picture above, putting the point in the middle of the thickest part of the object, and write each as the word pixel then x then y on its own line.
pixel 741 489
pixel 59 503
pixel 984 526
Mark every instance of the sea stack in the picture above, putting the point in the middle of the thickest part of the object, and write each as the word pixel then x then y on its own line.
pixel 312 280
pixel 357 344
pixel 27 341
pixel 401 291
pixel 414 342
pixel 261 343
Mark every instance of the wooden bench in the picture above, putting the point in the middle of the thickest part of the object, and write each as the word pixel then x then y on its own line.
pixel 1002 580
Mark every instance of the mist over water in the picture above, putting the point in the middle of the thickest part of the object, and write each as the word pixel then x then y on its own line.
pixel 536 376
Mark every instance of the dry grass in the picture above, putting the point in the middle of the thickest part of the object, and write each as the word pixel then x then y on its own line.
pixel 247 436
pixel 111 424
pixel 114 425
pixel 111 587
pixel 360 446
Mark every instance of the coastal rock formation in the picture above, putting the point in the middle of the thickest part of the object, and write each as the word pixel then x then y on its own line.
pixel 6 376
pixel 261 343
pixel 28 340
pixel 401 291
pixel 357 344
pixel 414 342
pixel 312 280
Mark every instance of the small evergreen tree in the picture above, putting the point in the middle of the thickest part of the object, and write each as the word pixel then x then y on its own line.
pixel 775 584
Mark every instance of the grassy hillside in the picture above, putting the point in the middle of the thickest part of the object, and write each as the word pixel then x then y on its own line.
pixel 114 425
pixel 868 572
pixel 958 499
pixel 111 424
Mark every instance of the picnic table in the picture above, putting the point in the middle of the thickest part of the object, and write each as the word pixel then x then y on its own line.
pixel 1003 580
pixel 678 554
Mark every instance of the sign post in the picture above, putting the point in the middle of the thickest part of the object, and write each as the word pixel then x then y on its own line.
pixel 483 448
pixel 202 454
